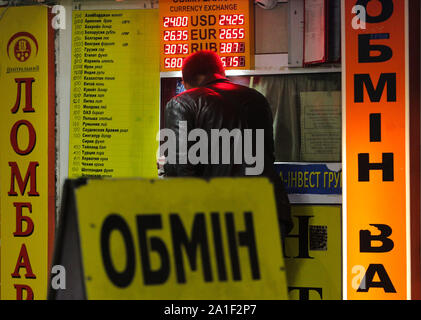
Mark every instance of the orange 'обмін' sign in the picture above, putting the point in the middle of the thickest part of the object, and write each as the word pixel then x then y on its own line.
pixel 376 213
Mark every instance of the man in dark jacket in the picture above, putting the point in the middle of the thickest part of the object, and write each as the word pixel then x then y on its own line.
pixel 213 102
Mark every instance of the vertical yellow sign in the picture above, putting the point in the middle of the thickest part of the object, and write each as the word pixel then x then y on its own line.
pixel 27 152
pixel 114 93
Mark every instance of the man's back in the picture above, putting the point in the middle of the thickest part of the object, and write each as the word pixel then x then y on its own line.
pixel 239 115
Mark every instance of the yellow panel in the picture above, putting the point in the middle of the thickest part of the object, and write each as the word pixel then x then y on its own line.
pixel 314 263
pixel 114 93
pixel 160 213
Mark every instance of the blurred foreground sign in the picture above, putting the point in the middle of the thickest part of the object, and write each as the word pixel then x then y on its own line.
pixel 170 239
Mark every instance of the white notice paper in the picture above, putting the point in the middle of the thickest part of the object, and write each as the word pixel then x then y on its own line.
pixel 321 126
pixel 314 31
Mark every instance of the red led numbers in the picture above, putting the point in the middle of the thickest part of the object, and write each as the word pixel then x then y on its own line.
pixel 233 61
pixel 227 34
pixel 178 48
pixel 170 22
pixel 232 47
pixel 173 63
pixel 176 35
pixel 231 19
pixel 222 28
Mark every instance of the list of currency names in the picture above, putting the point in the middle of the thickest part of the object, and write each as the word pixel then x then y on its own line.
pixel 96 133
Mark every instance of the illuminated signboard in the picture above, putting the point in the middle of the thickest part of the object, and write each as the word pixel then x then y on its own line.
pixel 223 27
pixel 376 155
pixel 27 157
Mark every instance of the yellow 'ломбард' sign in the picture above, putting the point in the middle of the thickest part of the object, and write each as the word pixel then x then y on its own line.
pixel 27 157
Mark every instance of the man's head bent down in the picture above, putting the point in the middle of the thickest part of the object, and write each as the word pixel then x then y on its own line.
pixel 201 67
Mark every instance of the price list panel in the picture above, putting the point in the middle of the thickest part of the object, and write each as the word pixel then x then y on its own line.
pixel 114 111
pixel 224 27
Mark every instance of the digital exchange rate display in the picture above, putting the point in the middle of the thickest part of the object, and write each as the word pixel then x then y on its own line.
pixel 224 27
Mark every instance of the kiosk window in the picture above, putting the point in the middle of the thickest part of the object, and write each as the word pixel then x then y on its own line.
pixel 306 112
pixel 307 115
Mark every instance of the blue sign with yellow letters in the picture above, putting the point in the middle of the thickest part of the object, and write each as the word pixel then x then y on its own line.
pixel 314 178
